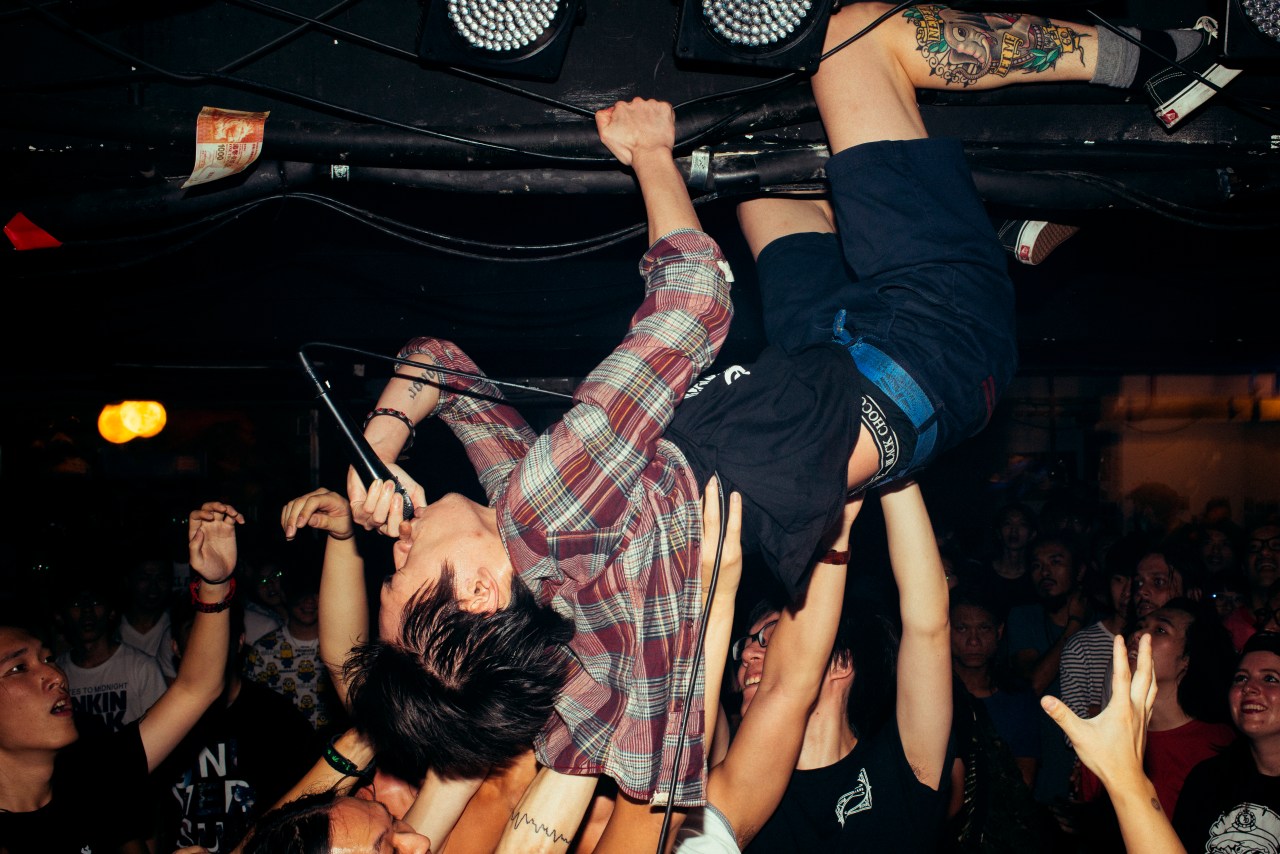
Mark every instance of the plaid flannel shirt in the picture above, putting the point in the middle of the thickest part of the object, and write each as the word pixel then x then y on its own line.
pixel 602 519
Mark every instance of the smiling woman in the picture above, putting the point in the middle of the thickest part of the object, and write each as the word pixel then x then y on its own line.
pixel 1232 801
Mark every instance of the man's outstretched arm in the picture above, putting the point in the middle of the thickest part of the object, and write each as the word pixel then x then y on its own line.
pixel 642 134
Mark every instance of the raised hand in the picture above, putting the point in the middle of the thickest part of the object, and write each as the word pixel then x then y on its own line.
pixel 629 128
pixel 379 507
pixel 322 509
pixel 211 539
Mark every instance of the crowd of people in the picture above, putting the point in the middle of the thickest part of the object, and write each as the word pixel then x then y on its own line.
pixel 556 668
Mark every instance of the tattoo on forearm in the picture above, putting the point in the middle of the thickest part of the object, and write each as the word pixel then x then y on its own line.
pixel 962 47
pixel 519 819
pixel 424 379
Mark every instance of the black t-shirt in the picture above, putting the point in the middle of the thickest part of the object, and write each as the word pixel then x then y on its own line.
pixel 780 432
pixel 99 800
pixel 232 767
pixel 868 801
pixel 1226 805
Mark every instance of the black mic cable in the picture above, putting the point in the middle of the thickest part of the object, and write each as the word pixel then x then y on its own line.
pixel 362 455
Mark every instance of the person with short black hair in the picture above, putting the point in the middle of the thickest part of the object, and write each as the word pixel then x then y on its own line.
pixel 60 793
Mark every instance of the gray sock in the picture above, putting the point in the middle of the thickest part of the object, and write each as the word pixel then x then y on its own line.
pixel 1119 58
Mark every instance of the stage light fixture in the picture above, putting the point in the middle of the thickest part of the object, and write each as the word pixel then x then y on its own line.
pixel 782 35
pixel 515 38
pixel 1251 30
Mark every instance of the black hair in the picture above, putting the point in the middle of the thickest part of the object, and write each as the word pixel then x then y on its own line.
pixel 459 692
pixel 1211 659
pixel 867 639
pixel 300 826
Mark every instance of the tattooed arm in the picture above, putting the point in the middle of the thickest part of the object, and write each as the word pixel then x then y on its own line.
pixel 547 817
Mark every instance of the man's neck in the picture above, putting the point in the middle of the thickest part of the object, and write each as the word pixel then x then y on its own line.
pixel 1114 623
pixel 26 779
pixel 142 621
pixel 1166 714
pixel 828 738
pixel 94 653
pixel 976 680
pixel 304 633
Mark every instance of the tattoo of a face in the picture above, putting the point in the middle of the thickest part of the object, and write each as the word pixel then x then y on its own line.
pixel 520 819
pixel 962 47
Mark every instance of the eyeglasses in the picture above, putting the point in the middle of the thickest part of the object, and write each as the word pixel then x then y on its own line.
pixel 1264 616
pixel 268 577
pixel 1272 544
pixel 740 645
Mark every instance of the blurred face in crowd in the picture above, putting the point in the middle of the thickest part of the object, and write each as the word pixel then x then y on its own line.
pixel 269 586
pixel 1154 583
pixel 149 586
pixel 35 706
pixel 975 636
pixel 1254 696
pixel 359 826
pixel 1053 572
pixel 1168 630
pixel 750 652
pixel 1015 530
pixel 304 610
pixel 1216 552
pixel 1262 560
pixel 86 619
pixel 1119 588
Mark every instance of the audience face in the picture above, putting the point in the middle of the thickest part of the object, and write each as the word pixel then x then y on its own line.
pixel 35 706
pixel 1154 583
pixel 269 587
pixel 1267 618
pixel 975 636
pixel 455 531
pixel 1255 695
pixel 1216 551
pixel 751 664
pixel 1119 587
pixel 360 826
pixel 1168 630
pixel 1015 530
pixel 87 619
pixel 149 585
pixel 1053 571
pixel 1262 562
pixel 304 610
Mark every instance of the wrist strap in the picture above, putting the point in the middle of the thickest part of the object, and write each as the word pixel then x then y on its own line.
pixel 342 764
pixel 211 607
pixel 399 416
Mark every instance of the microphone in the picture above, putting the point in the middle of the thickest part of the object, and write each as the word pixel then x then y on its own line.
pixel 362 455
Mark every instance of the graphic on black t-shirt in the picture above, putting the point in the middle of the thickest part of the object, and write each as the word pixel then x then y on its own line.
pixel 856 800
pixel 1248 827
pixel 215 805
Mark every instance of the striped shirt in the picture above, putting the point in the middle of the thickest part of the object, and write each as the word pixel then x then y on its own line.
pixel 601 517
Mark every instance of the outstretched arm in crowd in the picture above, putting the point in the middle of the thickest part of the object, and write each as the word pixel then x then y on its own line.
pixel 1111 745
pixel 212 548
pixel 924 653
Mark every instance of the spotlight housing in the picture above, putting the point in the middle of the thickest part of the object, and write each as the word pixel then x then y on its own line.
pixel 1251 30
pixel 514 38
pixel 767 34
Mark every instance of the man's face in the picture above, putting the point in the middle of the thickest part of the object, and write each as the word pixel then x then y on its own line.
pixel 975 636
pixel 1168 630
pixel 1217 552
pixel 304 610
pixel 455 531
pixel 1154 583
pixel 1015 530
pixel 149 585
pixel 86 619
pixel 270 586
pixel 1261 567
pixel 361 826
pixel 1118 587
pixel 751 665
pixel 35 707
pixel 1052 571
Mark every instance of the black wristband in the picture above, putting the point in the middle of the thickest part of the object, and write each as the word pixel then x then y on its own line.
pixel 342 764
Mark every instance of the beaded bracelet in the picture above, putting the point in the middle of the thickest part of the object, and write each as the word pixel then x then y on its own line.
pixel 342 764
pixel 399 416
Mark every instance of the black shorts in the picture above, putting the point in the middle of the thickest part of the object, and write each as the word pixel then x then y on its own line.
pixel 779 431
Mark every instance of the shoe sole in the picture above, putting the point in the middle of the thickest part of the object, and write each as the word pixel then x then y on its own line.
pixel 1194 94
pixel 1037 239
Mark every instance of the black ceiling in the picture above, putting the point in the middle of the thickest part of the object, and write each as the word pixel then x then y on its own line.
pixel 209 292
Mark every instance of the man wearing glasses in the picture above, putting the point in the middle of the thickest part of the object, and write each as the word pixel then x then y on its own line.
pixel 1261 574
